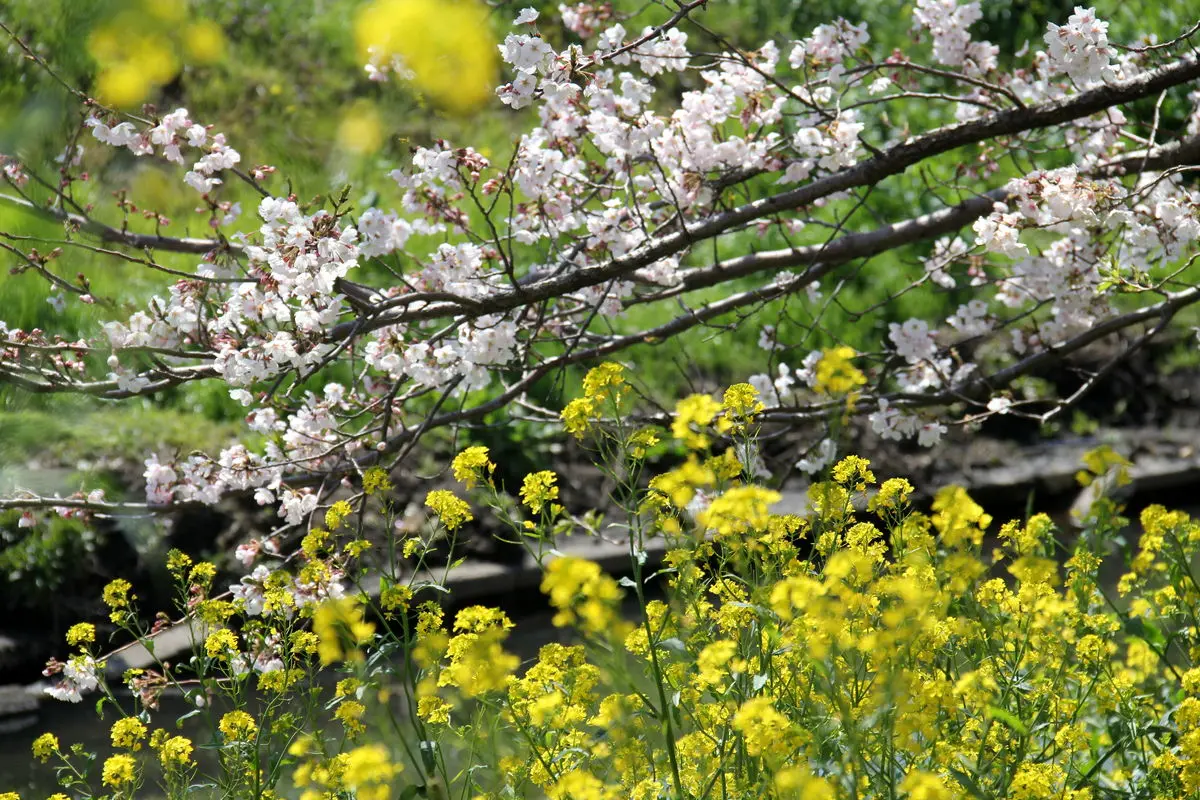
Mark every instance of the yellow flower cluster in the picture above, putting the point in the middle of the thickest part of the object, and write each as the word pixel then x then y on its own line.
pixel 221 644
pixel 472 466
pixel 604 388
pixel 478 663
pixel 45 746
pixel 119 770
pixel 836 373
pixel 376 481
pixel 337 514
pixel 447 49
pixel 238 726
pixel 582 594
pixel 202 575
pixel 175 753
pixel 692 415
pixel 877 645
pixel 364 772
pixel 341 630
pixel 119 600
pixel 539 490
pixel 81 633
pixel 450 509
pixel 128 733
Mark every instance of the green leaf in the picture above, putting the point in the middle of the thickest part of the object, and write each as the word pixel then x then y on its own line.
pixel 967 782
pixel 1009 719
pixel 179 722
pixel 1147 631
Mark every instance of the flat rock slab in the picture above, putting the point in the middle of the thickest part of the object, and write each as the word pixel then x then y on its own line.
pixel 16 700
pixel 1162 459
pixel 18 708
pixel 166 645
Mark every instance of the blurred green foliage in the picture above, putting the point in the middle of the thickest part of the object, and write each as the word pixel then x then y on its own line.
pixel 38 564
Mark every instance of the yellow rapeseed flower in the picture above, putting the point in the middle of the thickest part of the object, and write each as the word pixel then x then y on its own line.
pixel 368 771
pixel 835 374
pixel 920 785
pixel 450 509
pixel 222 644
pixel 81 633
pixel 582 594
pixel 958 518
pixel 604 381
pixel 178 563
pixel 375 480
pixel 238 726
pixel 128 733
pixel 433 710
pixel 119 770
pixel 118 598
pixel 350 713
pixel 740 406
pixel 763 728
pixel 394 597
pixel 176 753
pixel 692 415
pixel 202 574
pixel 577 416
pixel 336 514
pixel 740 510
pixel 45 746
pixel 341 630
pixel 854 470
pixel 446 47
pixel 539 490
pixel 472 465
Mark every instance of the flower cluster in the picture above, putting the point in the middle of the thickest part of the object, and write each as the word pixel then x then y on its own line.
pixel 1080 48
pixel 868 643
pixel 866 647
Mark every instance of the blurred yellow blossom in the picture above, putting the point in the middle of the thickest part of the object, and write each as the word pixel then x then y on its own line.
pixel 445 47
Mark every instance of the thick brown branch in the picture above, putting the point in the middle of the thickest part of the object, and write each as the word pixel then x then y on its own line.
pixel 891 162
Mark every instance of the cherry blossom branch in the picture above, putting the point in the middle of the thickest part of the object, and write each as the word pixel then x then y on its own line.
pixel 1162 311
pixel 107 389
pixel 655 33
pixel 892 161
pixel 108 233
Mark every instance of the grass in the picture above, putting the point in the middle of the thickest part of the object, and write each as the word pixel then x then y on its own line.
pixel 102 434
